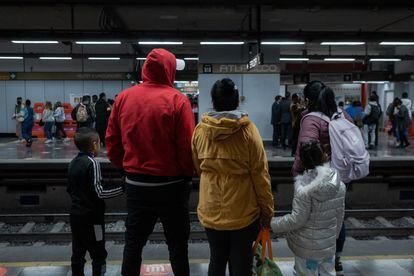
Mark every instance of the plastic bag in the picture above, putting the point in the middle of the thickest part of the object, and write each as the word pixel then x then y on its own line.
pixel 262 265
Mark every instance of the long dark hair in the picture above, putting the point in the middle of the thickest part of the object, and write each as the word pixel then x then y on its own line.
pixel 321 98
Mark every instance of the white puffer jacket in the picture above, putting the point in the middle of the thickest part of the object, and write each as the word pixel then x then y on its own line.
pixel 317 214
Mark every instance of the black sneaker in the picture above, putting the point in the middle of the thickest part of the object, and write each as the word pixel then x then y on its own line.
pixel 338 266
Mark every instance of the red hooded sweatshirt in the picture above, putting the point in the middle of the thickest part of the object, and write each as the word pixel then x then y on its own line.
pixel 151 124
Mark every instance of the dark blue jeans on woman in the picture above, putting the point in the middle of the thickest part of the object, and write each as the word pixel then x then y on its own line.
pixel 27 128
pixel 48 130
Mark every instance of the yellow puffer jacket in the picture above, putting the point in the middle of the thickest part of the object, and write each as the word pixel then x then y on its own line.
pixel 229 156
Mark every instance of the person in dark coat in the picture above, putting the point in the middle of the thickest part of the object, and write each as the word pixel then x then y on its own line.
pixel 102 111
pixel 276 120
pixel 87 118
pixel 286 121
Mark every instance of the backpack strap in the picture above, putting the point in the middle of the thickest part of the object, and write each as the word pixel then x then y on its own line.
pixel 319 115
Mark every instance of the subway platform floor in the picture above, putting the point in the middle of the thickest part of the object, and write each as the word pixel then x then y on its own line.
pixel 59 150
pixel 382 257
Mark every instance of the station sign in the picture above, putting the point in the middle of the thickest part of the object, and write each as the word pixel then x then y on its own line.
pixel 255 61
pixel 239 68
pixel 66 76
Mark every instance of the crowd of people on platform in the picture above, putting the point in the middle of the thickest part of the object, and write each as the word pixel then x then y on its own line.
pixel 91 112
pixel 151 139
pixel 287 115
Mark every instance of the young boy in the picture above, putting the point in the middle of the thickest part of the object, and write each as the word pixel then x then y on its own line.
pixel 317 214
pixel 88 207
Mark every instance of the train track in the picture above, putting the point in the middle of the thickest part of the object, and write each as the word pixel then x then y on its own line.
pixel 361 223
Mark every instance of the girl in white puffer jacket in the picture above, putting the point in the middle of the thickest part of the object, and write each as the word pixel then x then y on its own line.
pixel 317 214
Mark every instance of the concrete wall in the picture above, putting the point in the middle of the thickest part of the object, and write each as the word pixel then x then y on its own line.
pixel 41 91
pixel 259 90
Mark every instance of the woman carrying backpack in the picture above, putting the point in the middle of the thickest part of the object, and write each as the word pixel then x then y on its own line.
pixel 49 120
pixel 319 98
pixel 83 113
pixel 60 118
pixel 27 125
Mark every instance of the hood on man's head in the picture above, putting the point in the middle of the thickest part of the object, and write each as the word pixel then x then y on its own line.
pixel 160 66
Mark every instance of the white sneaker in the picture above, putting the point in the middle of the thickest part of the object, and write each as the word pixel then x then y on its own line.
pixel 48 141
pixel 66 139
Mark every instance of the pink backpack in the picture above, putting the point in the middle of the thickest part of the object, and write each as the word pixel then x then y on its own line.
pixel 349 156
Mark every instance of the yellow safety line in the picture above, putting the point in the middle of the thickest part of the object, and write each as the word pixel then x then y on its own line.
pixel 201 261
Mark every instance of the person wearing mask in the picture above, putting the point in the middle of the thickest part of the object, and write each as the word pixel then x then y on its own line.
pixel 102 111
pixel 341 105
pixel 60 118
pixel 372 114
pixel 19 119
pixel 83 113
pixel 408 104
pixel 286 121
pixel 27 125
pixel 319 98
pixel 296 109
pixel 403 122
pixel 149 138
pixel 230 159
pixel 276 120
pixel 49 120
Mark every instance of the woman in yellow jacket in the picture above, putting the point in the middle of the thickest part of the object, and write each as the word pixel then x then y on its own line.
pixel 235 192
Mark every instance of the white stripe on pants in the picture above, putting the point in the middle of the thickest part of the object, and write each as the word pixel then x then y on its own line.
pixel 308 267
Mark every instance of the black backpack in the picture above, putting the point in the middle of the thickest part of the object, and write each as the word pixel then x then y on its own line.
pixel 375 114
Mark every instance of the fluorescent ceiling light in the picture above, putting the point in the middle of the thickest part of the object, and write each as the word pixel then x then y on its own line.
pixel 160 42
pixel 36 41
pixel 191 58
pixel 293 59
pixel 339 59
pixel 56 58
pixel 385 59
pixel 378 82
pixel 344 43
pixel 396 43
pixel 98 42
pixel 141 58
pixel 5 57
pixel 221 43
pixel 283 43
pixel 104 58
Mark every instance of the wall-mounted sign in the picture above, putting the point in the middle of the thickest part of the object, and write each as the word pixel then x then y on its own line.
pixel 66 76
pixel 240 69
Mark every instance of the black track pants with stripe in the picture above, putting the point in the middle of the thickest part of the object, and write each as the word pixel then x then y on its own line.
pixel 87 236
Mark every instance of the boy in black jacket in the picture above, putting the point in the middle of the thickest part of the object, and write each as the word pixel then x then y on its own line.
pixel 88 207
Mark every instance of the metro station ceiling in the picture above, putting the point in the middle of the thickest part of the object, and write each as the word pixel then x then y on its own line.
pixel 192 22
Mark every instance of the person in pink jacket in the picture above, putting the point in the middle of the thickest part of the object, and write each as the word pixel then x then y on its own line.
pixel 319 98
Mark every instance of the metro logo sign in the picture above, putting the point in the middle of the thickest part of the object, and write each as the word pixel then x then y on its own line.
pixel 156 270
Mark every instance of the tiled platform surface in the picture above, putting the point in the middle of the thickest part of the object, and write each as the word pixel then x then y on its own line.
pixel 60 151
pixel 374 266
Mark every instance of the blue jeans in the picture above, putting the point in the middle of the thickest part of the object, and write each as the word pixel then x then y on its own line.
pixel 27 128
pixel 48 130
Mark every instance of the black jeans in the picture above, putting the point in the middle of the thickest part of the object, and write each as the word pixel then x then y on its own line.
pixel 145 205
pixel 276 134
pixel 340 241
pixel 87 236
pixel 60 130
pixel 286 129
pixel 232 247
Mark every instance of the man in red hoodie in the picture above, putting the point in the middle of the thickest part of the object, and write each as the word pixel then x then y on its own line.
pixel 149 137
